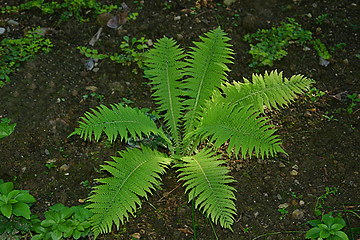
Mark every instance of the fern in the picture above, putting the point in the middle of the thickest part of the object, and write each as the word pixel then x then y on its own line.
pixel 119 120
pixel 272 90
pixel 196 114
pixel 207 179
pixel 241 127
pixel 207 70
pixel 165 71
pixel 135 174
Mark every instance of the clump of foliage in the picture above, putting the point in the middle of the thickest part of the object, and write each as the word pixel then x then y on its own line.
pixel 63 222
pixel 272 43
pixel 327 228
pixel 132 51
pixel 15 51
pixel 6 128
pixel 68 8
pixel 201 112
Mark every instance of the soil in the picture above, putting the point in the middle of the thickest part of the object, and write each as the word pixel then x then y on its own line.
pixel 46 100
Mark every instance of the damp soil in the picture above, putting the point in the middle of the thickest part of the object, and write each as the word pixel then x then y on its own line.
pixel 46 99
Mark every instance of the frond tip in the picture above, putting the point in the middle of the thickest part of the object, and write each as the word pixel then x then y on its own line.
pixel 207 182
pixel 135 173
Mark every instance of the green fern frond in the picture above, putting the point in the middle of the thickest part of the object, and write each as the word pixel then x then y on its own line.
pixel 165 72
pixel 119 120
pixel 245 131
pixel 207 70
pixel 207 181
pixel 271 90
pixel 135 174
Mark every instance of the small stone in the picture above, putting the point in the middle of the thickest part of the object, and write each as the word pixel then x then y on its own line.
pixel 2 30
pixel 279 197
pixel 64 168
pixel 47 152
pixel 267 178
pixel 177 18
pixel 297 214
pixel 179 37
pixel 89 64
pixel 318 29
pixel 74 92
pixel 13 23
pixel 229 2
pixel 301 203
pixel 346 61
pixel 296 182
pixel 323 62
pixel 283 205
pixel 96 69
pixel 136 235
pixel 296 167
pixel 256 214
pixel 294 173
pixel 149 43
pixel 91 88
pixel 281 165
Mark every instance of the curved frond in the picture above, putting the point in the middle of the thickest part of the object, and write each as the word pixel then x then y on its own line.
pixel 165 72
pixel 245 131
pixel 207 70
pixel 271 90
pixel 119 120
pixel 134 174
pixel 206 181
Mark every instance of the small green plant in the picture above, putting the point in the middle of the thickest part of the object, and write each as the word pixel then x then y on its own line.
pixel 64 222
pixel 50 165
pixel 327 228
pixel 14 202
pixel 6 128
pixel 337 47
pixel 322 18
pixel 131 51
pixel 201 112
pixel 314 94
pixel 100 97
pixel 273 42
pixel 355 99
pixel 321 49
pixel 321 200
pixel 329 118
pixel 15 51
pixel 283 211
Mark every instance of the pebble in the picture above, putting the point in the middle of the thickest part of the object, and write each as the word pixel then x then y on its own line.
pixel 13 23
pixel 279 197
pixel 177 18
pixel 283 205
pixel 323 62
pixel 297 214
pixel 2 31
pixel 64 168
pixel 294 173
pixel 296 167
pixel 229 2
pixel 179 37
pixel 91 88
pixel 281 165
pixel 301 203
pixel 47 152
pixel 96 69
pixel 256 214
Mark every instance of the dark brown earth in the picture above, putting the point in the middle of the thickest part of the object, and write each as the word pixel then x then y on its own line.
pixel 45 99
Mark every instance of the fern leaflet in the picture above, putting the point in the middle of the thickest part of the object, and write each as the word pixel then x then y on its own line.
pixel 135 174
pixel 165 72
pixel 208 181
pixel 119 120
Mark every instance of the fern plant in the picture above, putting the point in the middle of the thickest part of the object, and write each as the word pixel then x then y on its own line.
pixel 201 111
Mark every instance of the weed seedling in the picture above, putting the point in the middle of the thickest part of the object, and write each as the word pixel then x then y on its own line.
pixel 321 200
pixel 283 212
pixel 354 98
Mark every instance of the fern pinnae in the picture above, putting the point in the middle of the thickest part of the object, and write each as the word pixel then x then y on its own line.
pixel 204 174
pixel 135 173
pixel 207 69
pixel 165 72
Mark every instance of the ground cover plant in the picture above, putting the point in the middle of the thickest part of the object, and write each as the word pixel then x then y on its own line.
pixel 275 196
pixel 209 116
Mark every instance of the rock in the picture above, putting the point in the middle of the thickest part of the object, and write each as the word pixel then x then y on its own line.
pixel 91 88
pixel 96 69
pixel 279 197
pixel 297 214
pixel 103 18
pixel 13 23
pixel 179 37
pixel 281 165
pixel 136 235
pixel 64 168
pixel 294 173
pixel 89 64
pixel 177 18
pixel 47 152
pixel 2 30
pixel 323 62
pixel 256 214
pixel 283 205
pixel 301 203
pixel 296 167
pixel 229 2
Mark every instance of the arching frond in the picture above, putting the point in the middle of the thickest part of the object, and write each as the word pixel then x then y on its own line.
pixel 165 70
pixel 135 174
pixel 119 120
pixel 207 70
pixel 271 90
pixel 206 181
pixel 245 131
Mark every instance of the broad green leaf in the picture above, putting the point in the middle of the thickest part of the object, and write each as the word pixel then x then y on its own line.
pixel 6 210
pixel 6 188
pixel 21 209
pixel 341 235
pixel 313 233
pixel 25 197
